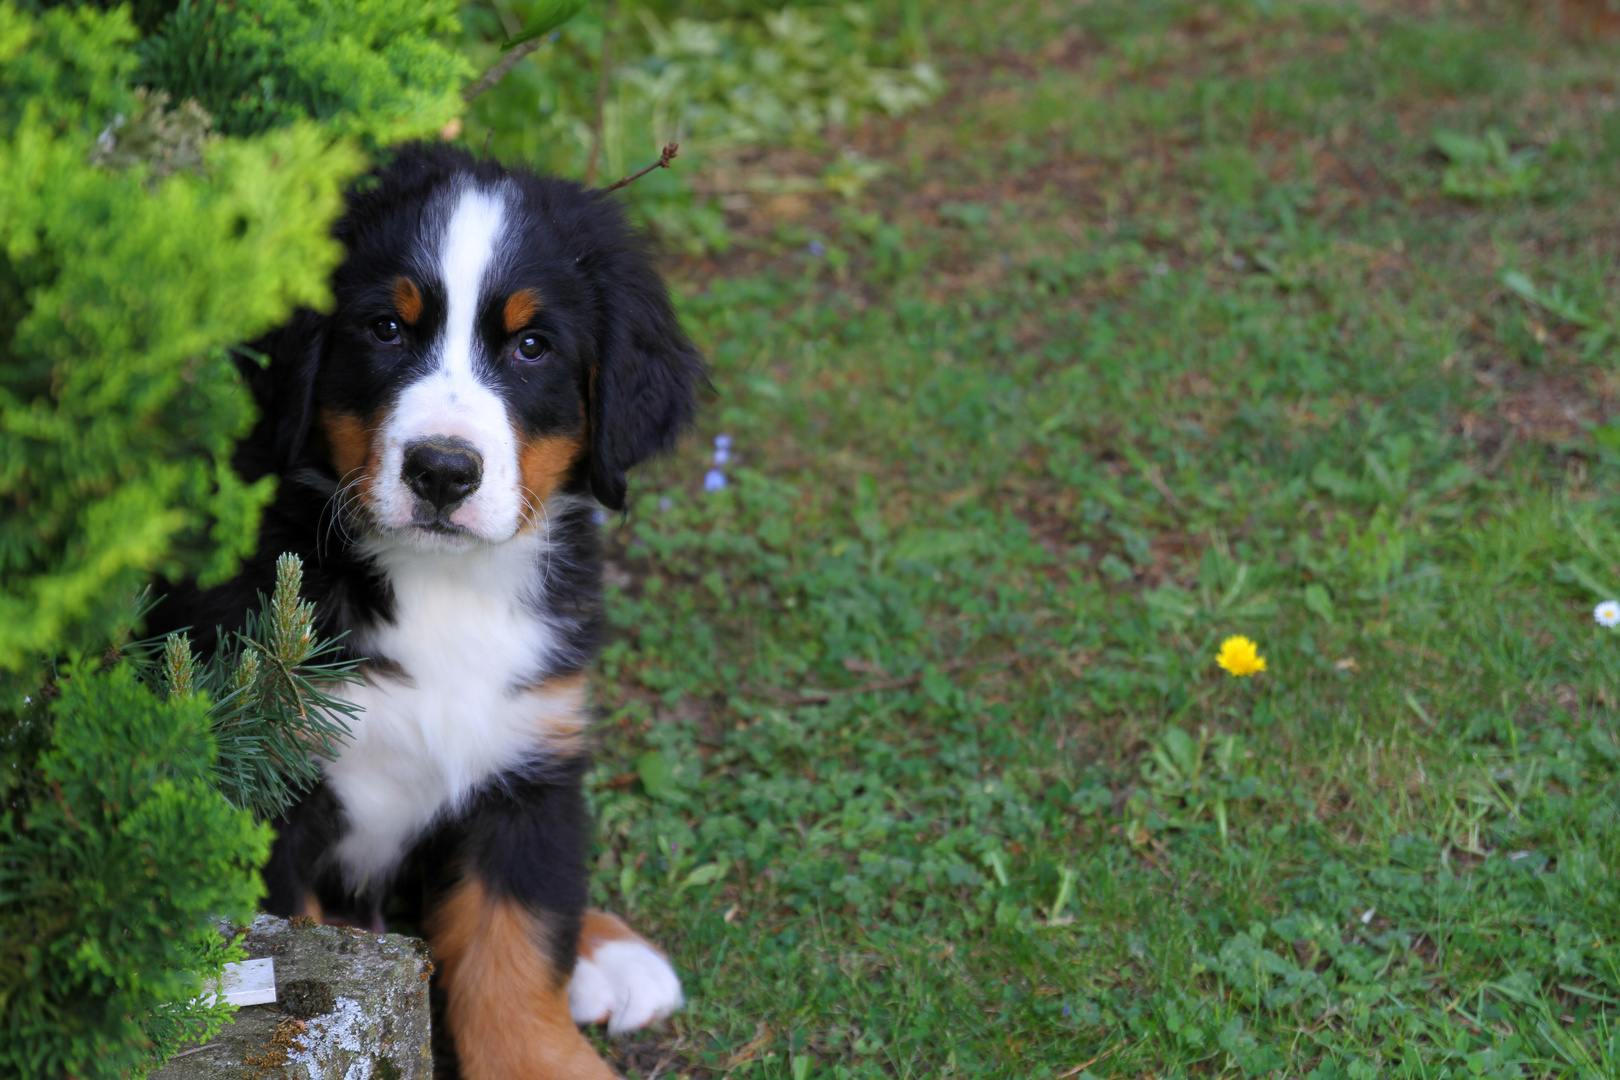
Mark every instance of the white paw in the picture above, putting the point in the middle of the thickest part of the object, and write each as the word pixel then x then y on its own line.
pixel 625 984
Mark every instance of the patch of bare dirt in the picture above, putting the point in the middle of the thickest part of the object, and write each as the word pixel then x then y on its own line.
pixel 1550 407
pixel 656 1058
pixel 1554 409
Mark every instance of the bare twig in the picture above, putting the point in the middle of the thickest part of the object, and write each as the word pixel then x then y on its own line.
pixel 193 1050
pixel 601 94
pixel 1084 1065
pixel 670 150
pixel 1156 478
pixel 1500 454
pixel 502 67
pixel 749 1051
pixel 821 697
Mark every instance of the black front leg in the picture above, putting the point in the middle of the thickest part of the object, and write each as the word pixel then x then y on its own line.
pixel 304 836
pixel 300 877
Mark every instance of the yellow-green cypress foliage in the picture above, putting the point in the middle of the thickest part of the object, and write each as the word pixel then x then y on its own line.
pixel 154 213
pixel 119 295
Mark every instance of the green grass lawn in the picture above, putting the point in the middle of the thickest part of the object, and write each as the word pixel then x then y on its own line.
pixel 1171 321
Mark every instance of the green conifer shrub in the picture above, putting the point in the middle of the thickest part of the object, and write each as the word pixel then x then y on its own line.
pixel 112 877
pixel 155 211
pixel 369 68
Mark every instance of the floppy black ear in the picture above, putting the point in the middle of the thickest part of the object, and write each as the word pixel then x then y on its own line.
pixel 643 389
pixel 284 389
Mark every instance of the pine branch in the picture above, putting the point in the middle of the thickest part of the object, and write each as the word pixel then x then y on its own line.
pixel 273 716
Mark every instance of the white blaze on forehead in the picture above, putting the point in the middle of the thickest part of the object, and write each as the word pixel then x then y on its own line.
pixel 467 249
pixel 449 399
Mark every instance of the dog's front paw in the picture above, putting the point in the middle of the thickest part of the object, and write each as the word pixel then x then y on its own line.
pixel 619 979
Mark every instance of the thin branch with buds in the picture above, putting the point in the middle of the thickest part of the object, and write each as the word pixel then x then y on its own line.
pixel 670 150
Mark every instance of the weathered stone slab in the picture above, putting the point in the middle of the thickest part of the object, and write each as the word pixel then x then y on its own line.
pixel 349 1006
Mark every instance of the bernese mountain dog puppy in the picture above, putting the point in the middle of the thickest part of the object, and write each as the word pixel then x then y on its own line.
pixel 500 351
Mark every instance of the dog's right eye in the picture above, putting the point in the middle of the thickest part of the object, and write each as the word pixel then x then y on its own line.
pixel 386 331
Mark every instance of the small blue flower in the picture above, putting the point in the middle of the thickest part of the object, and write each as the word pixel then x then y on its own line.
pixel 722 442
pixel 817 248
pixel 722 456
pixel 666 503
pixel 714 480
pixel 599 516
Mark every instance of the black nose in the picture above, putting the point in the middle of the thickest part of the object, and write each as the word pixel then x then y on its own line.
pixel 442 470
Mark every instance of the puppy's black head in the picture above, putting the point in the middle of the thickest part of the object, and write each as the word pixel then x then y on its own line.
pixel 496 338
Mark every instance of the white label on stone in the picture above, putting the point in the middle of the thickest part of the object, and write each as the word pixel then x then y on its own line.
pixel 252 982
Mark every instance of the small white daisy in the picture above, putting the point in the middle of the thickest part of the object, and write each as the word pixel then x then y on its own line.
pixel 1607 613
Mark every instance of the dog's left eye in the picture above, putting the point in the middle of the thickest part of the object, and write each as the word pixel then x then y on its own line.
pixel 531 347
pixel 386 331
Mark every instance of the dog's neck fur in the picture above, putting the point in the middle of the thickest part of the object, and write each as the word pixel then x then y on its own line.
pixel 464 689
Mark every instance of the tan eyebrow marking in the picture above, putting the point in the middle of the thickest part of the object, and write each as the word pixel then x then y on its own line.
pixel 407 299
pixel 520 308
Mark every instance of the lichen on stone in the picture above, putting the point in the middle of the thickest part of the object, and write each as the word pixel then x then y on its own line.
pixel 307 998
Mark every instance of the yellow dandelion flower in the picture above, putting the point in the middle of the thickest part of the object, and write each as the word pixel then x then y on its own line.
pixel 1240 656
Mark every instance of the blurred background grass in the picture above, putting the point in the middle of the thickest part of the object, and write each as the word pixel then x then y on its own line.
pixel 1055 342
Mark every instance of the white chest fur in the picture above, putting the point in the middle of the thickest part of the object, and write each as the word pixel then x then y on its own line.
pixel 469 641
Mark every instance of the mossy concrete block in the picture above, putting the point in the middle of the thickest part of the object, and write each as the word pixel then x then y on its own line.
pixel 349 1006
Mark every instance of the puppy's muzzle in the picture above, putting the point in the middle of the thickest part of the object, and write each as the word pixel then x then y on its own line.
pixel 442 471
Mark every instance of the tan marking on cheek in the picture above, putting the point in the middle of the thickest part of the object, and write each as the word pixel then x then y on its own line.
pixel 520 308
pixel 347 441
pixel 351 443
pixel 407 300
pixel 505 1003
pixel 543 464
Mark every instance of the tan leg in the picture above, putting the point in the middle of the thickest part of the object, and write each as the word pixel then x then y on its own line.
pixel 313 910
pixel 506 1004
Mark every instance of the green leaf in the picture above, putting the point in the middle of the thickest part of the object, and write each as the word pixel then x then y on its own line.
pixel 868 511
pixel 548 16
pixel 1318 601
pixel 1335 482
pixel 703 875
pixel 1517 282
pixel 1551 300
pixel 656 776
pixel 933 545
pixel 1463 149
pixel 1573 573
pixel 1182 750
